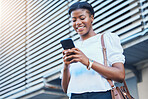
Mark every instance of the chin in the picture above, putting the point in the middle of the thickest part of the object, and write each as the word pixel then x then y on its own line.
pixel 83 34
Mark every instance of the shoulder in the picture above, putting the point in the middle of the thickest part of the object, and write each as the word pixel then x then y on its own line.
pixel 111 35
pixel 112 40
pixel 114 48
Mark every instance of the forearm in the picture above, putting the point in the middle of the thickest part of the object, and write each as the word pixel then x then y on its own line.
pixel 65 79
pixel 116 72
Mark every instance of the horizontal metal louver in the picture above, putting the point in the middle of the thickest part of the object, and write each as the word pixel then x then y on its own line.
pixel 47 24
pixel 12 55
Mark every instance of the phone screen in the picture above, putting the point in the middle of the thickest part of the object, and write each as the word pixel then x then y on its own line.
pixel 67 43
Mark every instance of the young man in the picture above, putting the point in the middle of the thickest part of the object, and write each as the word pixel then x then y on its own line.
pixel 84 77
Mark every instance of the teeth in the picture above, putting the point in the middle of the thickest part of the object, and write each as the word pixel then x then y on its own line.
pixel 80 27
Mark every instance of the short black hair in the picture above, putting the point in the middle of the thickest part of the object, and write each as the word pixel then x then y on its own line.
pixel 81 5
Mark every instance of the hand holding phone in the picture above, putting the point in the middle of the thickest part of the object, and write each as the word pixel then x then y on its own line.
pixel 78 55
pixel 67 44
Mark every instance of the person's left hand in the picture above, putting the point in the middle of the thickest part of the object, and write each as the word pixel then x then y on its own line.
pixel 76 55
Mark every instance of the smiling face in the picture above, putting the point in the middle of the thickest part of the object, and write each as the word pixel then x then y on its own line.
pixel 82 21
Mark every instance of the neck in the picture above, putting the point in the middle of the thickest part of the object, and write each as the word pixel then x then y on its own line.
pixel 87 35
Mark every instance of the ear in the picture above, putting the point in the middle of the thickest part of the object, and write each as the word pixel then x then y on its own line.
pixel 92 18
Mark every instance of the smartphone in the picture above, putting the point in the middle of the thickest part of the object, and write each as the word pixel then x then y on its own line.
pixel 67 43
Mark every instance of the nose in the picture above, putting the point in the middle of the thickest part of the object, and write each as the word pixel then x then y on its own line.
pixel 78 22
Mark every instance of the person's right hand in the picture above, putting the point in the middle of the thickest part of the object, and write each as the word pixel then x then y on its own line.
pixel 75 55
pixel 66 61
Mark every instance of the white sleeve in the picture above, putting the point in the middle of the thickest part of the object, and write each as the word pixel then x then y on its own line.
pixel 61 75
pixel 113 48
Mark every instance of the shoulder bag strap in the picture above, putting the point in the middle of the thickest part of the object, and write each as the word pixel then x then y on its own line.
pixel 105 58
pixel 105 64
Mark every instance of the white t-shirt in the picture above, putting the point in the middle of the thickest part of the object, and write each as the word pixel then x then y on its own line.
pixel 83 80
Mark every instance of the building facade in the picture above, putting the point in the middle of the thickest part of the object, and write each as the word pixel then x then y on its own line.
pixel 31 54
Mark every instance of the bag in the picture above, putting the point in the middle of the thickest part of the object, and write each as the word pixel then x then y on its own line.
pixel 116 92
